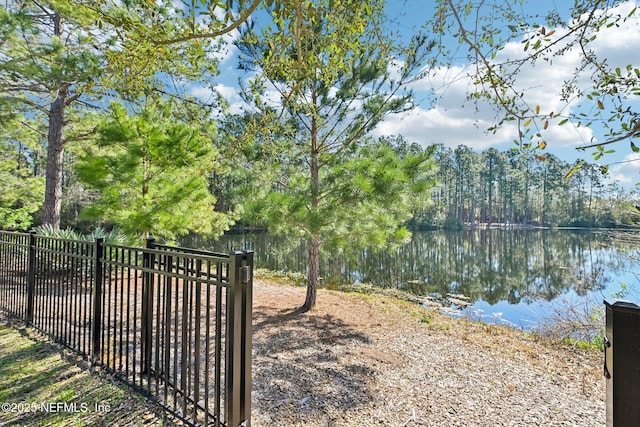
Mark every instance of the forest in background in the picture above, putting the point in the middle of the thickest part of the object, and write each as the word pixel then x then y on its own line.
pixel 509 188
pixel 490 188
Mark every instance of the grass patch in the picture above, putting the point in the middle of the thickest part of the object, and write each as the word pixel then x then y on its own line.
pixel 290 278
pixel 42 384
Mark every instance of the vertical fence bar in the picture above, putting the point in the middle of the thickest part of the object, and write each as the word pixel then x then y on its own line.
pixel 176 340
pixel 218 351
pixel 7 253
pixel 73 296
pixel 121 310
pixel 128 328
pixel 157 367
pixel 207 334
pixel 87 287
pixel 31 276
pixel 167 321
pixel 147 309
pixel 67 292
pixel 38 310
pixel 197 320
pixel 44 273
pixel 184 359
pixel 97 299
pixel 135 321
pixel 56 280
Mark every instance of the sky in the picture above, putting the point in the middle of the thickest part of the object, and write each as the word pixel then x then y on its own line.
pixel 452 120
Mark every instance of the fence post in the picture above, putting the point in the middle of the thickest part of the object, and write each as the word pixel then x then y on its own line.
pixel 238 352
pixel 148 260
pixel 247 336
pixel 31 277
pixel 96 330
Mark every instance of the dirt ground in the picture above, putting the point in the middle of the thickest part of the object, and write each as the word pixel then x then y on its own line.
pixel 358 360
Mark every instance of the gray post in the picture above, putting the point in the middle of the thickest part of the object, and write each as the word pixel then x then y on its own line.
pixel 247 337
pixel 239 338
pixel 233 342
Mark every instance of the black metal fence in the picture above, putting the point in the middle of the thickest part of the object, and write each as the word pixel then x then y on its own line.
pixel 174 323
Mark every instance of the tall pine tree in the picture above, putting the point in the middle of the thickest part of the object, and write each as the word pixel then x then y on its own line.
pixel 336 75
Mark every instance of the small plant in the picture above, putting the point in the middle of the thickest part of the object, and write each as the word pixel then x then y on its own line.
pixel 113 236
pixel 50 231
pixel 577 325
pixel 426 319
pixel 622 293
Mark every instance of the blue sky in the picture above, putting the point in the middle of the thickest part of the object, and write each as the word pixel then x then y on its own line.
pixel 452 120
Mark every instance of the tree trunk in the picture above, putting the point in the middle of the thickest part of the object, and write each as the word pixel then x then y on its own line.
pixel 55 154
pixel 314 272
pixel 55 149
pixel 314 241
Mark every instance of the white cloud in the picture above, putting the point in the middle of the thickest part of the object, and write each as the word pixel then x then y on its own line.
pixel 236 104
pixel 454 120
pixel 567 135
pixel 439 125
pixel 627 172
pixel 620 43
pixel 229 93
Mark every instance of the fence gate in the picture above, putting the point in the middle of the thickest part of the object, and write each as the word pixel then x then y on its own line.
pixel 174 323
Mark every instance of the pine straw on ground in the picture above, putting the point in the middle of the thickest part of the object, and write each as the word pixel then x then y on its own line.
pixel 359 360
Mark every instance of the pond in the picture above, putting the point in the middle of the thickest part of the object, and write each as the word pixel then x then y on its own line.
pixel 514 277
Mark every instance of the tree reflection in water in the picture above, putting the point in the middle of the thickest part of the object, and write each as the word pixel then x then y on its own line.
pixel 496 267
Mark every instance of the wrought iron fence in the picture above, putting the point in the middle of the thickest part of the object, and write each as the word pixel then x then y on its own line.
pixel 174 323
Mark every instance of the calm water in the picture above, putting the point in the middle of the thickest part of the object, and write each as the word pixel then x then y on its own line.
pixel 517 277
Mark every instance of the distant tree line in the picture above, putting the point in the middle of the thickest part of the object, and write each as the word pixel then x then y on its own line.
pixel 509 188
pixel 490 188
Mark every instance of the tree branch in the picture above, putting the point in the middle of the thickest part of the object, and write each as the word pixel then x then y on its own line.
pixel 242 19
pixel 26 102
pixel 633 132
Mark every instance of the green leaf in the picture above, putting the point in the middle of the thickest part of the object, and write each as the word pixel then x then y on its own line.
pixel 634 147
pixel 574 169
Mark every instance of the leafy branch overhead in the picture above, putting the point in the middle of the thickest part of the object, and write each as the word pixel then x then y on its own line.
pixel 62 59
pixel 598 92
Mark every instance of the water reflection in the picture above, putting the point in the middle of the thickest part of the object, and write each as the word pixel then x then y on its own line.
pixel 513 266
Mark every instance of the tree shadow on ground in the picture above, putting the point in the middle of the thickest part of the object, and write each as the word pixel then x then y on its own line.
pixel 305 365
